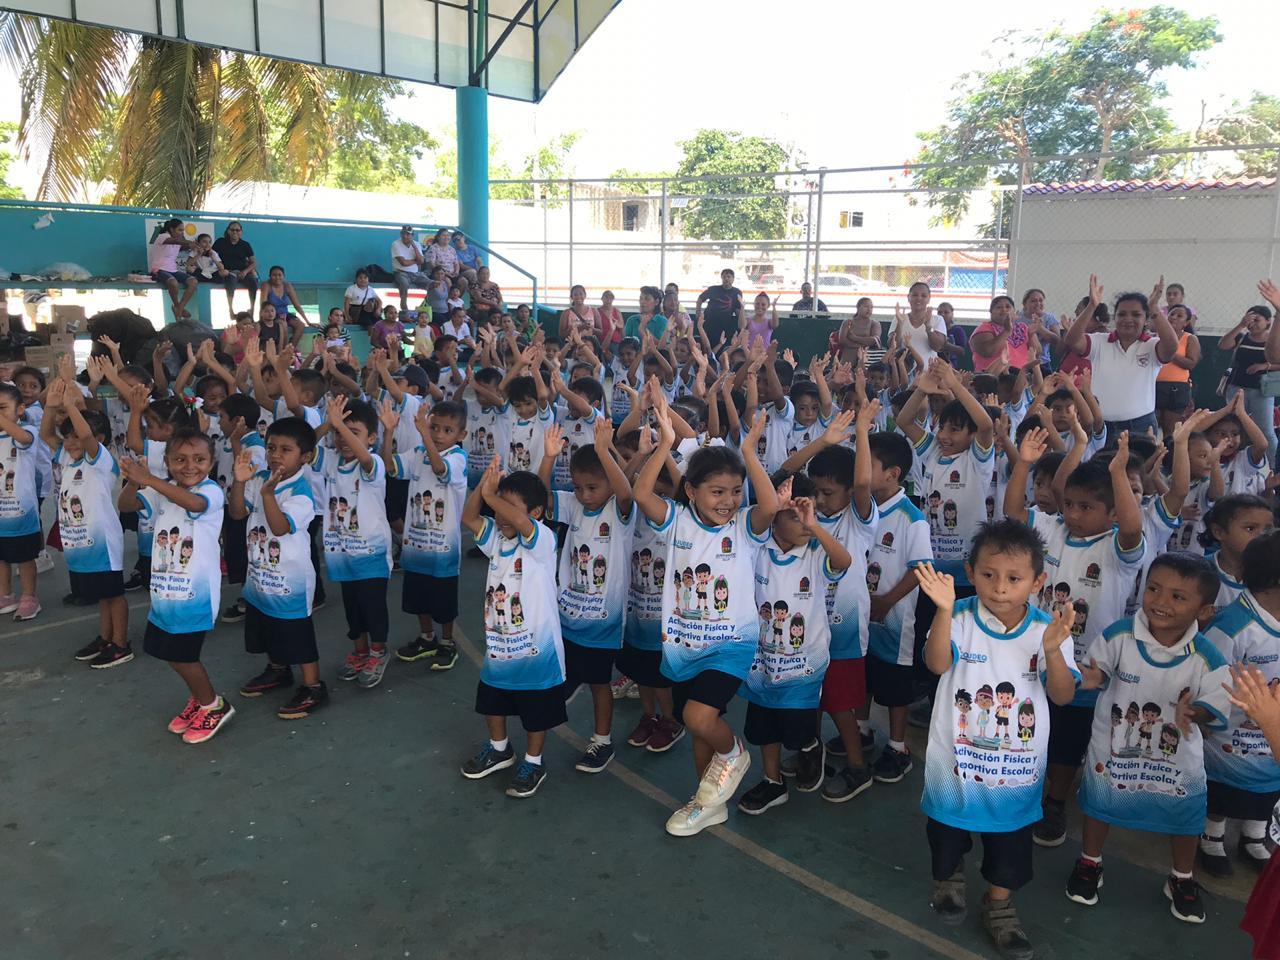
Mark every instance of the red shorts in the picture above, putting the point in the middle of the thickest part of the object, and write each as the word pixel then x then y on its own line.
pixel 1262 915
pixel 845 686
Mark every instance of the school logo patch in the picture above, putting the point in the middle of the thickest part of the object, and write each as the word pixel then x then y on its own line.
pixel 726 545
pixel 604 529
pixel 955 477
pixel 1093 572
pixel 804 584
pixel 887 539
pixel 518 567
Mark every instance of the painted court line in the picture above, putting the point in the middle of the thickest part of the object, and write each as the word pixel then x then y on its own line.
pixel 768 858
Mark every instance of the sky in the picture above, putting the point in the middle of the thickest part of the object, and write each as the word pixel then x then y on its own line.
pixel 846 83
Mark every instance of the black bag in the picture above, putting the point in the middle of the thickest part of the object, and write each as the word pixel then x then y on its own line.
pixel 379 275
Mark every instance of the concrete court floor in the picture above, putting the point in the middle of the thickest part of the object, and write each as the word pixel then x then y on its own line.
pixel 352 834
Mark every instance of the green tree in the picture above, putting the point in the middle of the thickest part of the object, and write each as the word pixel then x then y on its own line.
pixel 7 190
pixel 547 162
pixel 1257 121
pixel 733 164
pixel 1098 90
pixel 638 181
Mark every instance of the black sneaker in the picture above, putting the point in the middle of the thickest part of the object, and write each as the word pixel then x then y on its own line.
pixel 1215 864
pixel 949 901
pixel 1084 882
pixel 846 783
pixel 528 779
pixel 1184 899
pixel 891 766
pixel 72 600
pixel 111 656
pixel 488 761
pixel 90 649
pixel 446 657
pixel 762 796
pixel 419 648
pixel 269 679
pixel 234 613
pixel 789 765
pixel 135 582
pixel 835 747
pixel 596 758
pixel 304 702
pixel 810 767
pixel 1051 829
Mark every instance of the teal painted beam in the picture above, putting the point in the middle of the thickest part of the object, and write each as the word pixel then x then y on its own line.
pixel 472 106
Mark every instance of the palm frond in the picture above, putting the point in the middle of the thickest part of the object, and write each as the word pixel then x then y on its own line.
pixel 299 89
pixel 244 128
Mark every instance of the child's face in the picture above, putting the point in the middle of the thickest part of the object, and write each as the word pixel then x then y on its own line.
pixel 214 394
pixel 1200 453
pixel 681 351
pixel 446 431
pixel 1229 431
pixel 877 380
pixel 284 454
pixel 448 353
pixel 361 435
pixel 830 495
pixel 1046 502
pixel 1243 528
pixel 627 356
pixel 1058 410
pixel 157 429
pixel 525 409
pixel 1084 514
pixel 718 498
pixel 189 463
pixel 11 408
pixel 788 530
pixel 592 489
pixel 953 439
pixel 513 498
pixel 885 481
pixel 1004 581
pixel 267 313
pixel 1172 602
pixel 806 411
pixel 29 387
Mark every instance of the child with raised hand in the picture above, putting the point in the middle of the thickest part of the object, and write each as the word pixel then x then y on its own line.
pixel 1231 525
pixel 1243 447
pixel 185 594
pixel 275 504
pixel 576 417
pixel 1244 776
pixel 1158 659
pixel 811 400
pixel 1207 486
pixel 20 541
pixel 710 625
pixel 594 573
pixel 529 412
pixel 431 552
pixel 523 670
pixel 998 650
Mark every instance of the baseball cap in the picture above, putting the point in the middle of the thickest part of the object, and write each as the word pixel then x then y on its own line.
pixel 413 375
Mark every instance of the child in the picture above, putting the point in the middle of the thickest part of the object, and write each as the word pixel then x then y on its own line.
pixel 801 559
pixel 1159 659
pixel 237 417
pixel 576 416
pixel 624 373
pixel 811 400
pixel 436 471
pixel 1231 525
pixel 766 392
pixel 487 424
pixel 523 670
pixel 357 538
pixel 593 574
pixel 979 778
pixel 529 413
pixel 710 627
pixel 276 504
pixel 1245 468
pixel 1244 777
pixel 1208 486
pixel 20 540
pixel 184 596
pixel 1094 551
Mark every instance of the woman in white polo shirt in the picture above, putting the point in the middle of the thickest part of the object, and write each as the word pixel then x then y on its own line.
pixel 1125 361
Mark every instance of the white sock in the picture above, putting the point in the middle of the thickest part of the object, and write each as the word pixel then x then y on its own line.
pixel 769 779
pixel 605 738
pixel 1211 839
pixel 1253 831
pixel 899 745
pixel 499 745
pixel 536 761
pixel 1178 875
pixel 1097 861
pixel 733 751
pixel 209 706
pixel 864 726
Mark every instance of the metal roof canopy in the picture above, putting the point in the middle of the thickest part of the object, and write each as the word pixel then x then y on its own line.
pixel 514 48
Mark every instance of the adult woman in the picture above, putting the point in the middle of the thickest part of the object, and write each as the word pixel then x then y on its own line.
pixel 920 328
pixel 1050 330
pixel 1248 341
pixel 1173 382
pixel 648 319
pixel 859 331
pixel 442 254
pixel 279 292
pixel 438 294
pixel 360 304
pixel 610 321
pixel 486 296
pixel 162 264
pixel 1000 337
pixel 242 266
pixel 580 316
pixel 761 324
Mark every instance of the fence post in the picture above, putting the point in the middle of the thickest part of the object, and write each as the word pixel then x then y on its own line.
pixel 808 229
pixel 1275 221
pixel 571 232
pixel 1011 283
pixel 662 239
pixel 995 247
pixel 817 240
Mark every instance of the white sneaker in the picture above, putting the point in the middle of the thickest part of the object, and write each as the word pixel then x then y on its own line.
pixel 622 686
pixel 693 818
pixel 722 777
pixel 44 562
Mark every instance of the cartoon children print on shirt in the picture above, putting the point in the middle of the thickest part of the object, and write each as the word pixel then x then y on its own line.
pixel 1001 701
pixel 984 699
pixel 964 703
pixel 697 597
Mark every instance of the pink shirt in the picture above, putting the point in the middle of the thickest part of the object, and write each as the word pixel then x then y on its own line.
pixel 163 256
pixel 1016 345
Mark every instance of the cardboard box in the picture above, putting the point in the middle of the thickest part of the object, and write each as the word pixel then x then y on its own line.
pixel 68 315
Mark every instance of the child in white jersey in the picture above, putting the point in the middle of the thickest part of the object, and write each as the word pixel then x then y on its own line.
pixel 710 626
pixel 487 424
pixel 1156 782
pixel 1242 447
pixel 523 670
pixel 999 650
pixel 576 417
pixel 20 540
pixel 185 595
pixel 1230 526
pixel 528 413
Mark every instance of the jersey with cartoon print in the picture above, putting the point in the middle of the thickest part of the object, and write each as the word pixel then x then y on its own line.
pixel 956 491
pixel 88 518
pixel 525 439
pixel 225 457
pixel 1144 770
pixel 801 436
pixel 650 547
pixel 848 603
pixel 1158 527
pixel 186 580
pixel 19 513
pixel 487 438
pixel 779 423
pixel 281 580
pixel 1194 509
pixel 1242 474
pixel 357 537
pixel 578 432
pixel 432 538
pixel 593 570
pixel 900 543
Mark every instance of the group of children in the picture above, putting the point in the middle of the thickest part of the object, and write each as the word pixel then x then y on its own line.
pixel 716 522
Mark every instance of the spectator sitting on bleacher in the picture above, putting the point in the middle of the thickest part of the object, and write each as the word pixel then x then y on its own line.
pixel 242 266
pixel 442 254
pixel 408 261
pixel 162 264
pixel 279 292
pixel 360 303
pixel 486 296
pixel 204 263
pixel 469 261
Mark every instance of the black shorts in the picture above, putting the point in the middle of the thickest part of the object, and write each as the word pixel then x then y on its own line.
pixel 592 665
pixel 427 596
pixel 396 499
pixel 129 521
pixel 642 666
pixel 794 729
pixel 713 688
pixel 1069 731
pixel 365 604
pixel 1006 857
pixel 538 710
pixel 285 642
pixel 1173 395
pixel 92 587
pixel 172 647
pixel 1240 804
pixel 891 684
pixel 21 549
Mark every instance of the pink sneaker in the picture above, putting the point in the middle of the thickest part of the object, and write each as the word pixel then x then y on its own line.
pixel 206 723
pixel 182 721
pixel 8 603
pixel 28 608
pixel 353 666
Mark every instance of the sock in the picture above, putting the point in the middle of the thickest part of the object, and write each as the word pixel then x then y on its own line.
pixel 733 751
pixel 376 652
pixel 1253 831
pixel 209 706
pixel 1096 861
pixel 1179 875
pixel 499 745
pixel 864 726
pixel 1211 839
pixel 769 779
pixel 899 745
pixel 605 738
pixel 536 761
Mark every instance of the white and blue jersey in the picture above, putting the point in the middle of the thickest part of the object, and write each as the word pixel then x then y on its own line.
pixel 801 436
pixel 650 547
pixel 901 543
pixel 19 509
pixel 432 540
pixel 1158 528
pixel 593 570
pixel 1242 474
pixel 523 649
pixel 153 452
pixel 357 537
pixel 525 439
pixel 32 417
pixel 578 432
pixel 771 448
pixel 955 491
pixel 225 457
pixel 88 518
pixel 619 399
pixel 1143 771
pixel 281 580
pixel 1229 588
pixel 186 584
pixel 848 604
pixel 487 438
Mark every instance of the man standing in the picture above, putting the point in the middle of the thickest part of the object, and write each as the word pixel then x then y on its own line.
pixel 407 261
pixel 724 307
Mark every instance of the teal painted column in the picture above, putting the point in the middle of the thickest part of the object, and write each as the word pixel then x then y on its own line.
pixel 472 105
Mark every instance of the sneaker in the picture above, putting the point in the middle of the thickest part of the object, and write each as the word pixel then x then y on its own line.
pixel 790 764
pixel 206 723
pixel 90 649
pixel 722 777
pixel 666 736
pixel 920 715
pixel 949 901
pixel 234 613
pixel 1051 829
pixel 135 582
pixel 419 648
pixel 44 562
pixel 28 608
pixel 1001 922
pixel 621 686
pixel 1215 864
pixel 182 721
pixel 810 767
pixel 1254 852
pixel 71 600
pixel 270 678
pixel 488 761
pixel 762 796
pixel 693 818
pixel 1184 899
pixel 596 758
pixel 446 658
pixel 835 747
pixel 8 603
pixel 1085 882
pixel 846 783
pixel 633 692
pixel 111 656
pixel 304 702
pixel 352 667
pixel 891 766
pixel 375 665
pixel 643 731
pixel 528 779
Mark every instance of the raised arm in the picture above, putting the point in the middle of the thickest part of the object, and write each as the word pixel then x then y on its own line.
pixel 617 479
pixel 766 496
pixel 651 505
pixel 1015 494
pixel 1128 513
pixel 1076 338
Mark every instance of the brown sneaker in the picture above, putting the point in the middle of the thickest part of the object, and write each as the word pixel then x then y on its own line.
pixel 643 731
pixel 665 735
pixel 1001 922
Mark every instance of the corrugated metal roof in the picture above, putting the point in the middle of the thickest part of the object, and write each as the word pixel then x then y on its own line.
pixel 1139 186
